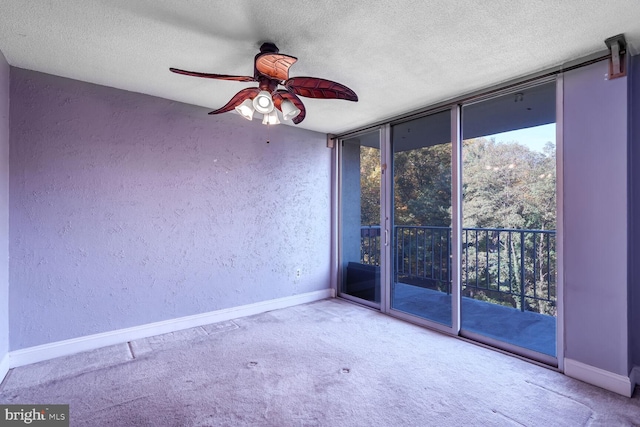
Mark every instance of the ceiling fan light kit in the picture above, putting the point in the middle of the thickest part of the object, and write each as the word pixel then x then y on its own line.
pixel 271 118
pixel 289 110
pixel 271 70
pixel 246 109
pixel 263 103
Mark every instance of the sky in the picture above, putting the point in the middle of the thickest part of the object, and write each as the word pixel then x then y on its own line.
pixel 535 137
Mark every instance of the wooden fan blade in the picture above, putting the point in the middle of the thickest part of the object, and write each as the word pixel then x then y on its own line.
pixel 313 87
pixel 213 76
pixel 280 95
pixel 238 99
pixel 274 65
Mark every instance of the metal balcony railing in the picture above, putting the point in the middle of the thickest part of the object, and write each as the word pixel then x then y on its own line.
pixel 510 267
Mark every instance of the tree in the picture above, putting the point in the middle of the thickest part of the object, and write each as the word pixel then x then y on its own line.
pixel 422 186
pixel 508 194
pixel 370 176
pixel 507 185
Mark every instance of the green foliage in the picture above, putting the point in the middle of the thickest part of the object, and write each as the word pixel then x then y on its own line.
pixel 504 186
pixel 422 186
pixel 370 185
pixel 507 185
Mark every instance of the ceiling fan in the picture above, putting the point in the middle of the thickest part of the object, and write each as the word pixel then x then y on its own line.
pixel 271 69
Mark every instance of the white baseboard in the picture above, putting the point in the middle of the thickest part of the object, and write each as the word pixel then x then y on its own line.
pixel 599 377
pixel 52 350
pixel 4 367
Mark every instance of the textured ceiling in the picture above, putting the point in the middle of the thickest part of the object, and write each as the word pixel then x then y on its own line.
pixel 397 56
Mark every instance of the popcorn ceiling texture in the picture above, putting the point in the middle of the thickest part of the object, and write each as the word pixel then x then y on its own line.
pixel 127 209
pixel 396 55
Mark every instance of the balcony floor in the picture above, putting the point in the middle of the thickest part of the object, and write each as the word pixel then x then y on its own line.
pixel 529 330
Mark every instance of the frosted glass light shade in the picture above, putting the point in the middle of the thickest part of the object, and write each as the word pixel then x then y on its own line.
pixel 271 118
pixel 289 110
pixel 246 109
pixel 263 102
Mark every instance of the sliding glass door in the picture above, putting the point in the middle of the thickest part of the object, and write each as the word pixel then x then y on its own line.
pixel 508 264
pixel 361 236
pixel 448 219
pixel 421 283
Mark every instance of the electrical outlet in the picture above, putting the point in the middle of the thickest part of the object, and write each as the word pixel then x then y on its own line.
pixel 297 272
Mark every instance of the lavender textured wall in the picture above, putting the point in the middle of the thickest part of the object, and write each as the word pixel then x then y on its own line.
pixel 127 209
pixel 595 219
pixel 634 282
pixel 4 207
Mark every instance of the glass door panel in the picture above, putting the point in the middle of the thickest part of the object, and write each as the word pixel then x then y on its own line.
pixel 422 217
pixel 508 261
pixel 360 213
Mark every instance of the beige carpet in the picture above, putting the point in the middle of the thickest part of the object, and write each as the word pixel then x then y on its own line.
pixel 329 363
